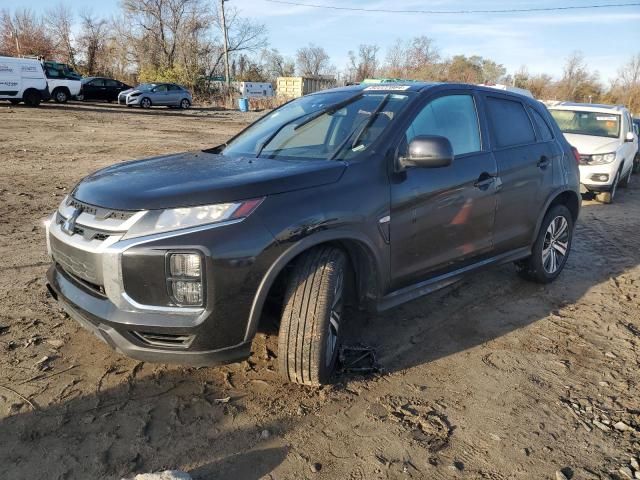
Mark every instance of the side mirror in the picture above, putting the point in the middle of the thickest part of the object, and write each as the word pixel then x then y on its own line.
pixel 630 137
pixel 428 151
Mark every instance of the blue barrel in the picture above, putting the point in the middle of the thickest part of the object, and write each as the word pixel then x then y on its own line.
pixel 243 104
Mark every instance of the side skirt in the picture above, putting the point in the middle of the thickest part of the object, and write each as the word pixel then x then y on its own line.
pixel 431 285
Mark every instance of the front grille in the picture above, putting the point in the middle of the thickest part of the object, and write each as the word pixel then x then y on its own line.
pixel 164 339
pixel 100 213
pixel 86 232
pixel 82 264
pixel 92 287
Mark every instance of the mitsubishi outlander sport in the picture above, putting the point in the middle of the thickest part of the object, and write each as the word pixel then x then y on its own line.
pixel 365 195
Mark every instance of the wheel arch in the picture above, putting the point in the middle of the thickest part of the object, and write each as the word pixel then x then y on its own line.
pixel 360 254
pixel 568 198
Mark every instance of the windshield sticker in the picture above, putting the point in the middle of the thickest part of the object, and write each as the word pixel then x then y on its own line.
pixel 606 119
pixel 384 87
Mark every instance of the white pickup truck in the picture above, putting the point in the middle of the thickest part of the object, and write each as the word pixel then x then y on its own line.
pixel 63 82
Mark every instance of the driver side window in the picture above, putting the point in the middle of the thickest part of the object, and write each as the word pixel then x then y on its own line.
pixel 453 117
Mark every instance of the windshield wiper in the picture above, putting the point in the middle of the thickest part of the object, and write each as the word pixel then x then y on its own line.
pixel 314 115
pixel 330 109
pixel 360 131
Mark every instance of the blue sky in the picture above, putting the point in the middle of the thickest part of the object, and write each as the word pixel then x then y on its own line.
pixel 541 41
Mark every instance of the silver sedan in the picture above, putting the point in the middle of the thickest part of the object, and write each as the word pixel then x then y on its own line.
pixel 147 95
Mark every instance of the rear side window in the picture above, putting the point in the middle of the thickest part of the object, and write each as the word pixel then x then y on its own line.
pixel 542 125
pixel 174 87
pixel 111 83
pixel 511 124
pixel 98 82
pixel 453 117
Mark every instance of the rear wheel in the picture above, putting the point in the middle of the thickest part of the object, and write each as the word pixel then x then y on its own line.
pixel 311 325
pixel 551 248
pixel 608 197
pixel 32 98
pixel 145 103
pixel 60 95
pixel 185 103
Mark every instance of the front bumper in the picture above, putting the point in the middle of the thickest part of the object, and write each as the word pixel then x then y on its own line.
pixel 117 289
pixel 597 178
pixel 119 329
pixel 128 99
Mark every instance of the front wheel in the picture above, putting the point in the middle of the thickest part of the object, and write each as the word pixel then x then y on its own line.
pixel 609 197
pixel 551 248
pixel 311 326
pixel 636 164
pixel 145 103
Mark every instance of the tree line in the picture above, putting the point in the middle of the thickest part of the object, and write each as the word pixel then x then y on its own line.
pixel 182 41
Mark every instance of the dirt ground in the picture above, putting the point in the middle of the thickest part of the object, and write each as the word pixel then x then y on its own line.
pixel 493 378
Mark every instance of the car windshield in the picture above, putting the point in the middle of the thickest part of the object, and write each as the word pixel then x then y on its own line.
pixel 595 124
pixel 321 126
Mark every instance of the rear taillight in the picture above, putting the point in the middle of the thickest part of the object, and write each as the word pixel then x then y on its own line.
pixel 576 154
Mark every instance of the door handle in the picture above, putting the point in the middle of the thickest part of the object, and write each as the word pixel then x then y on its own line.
pixel 485 180
pixel 543 163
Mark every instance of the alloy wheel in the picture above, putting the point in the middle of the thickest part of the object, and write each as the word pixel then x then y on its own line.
pixel 334 319
pixel 556 244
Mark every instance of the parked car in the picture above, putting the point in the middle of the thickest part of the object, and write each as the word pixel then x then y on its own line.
pixel 63 83
pixel 636 163
pixel 604 136
pixel 148 95
pixel 22 80
pixel 100 88
pixel 368 196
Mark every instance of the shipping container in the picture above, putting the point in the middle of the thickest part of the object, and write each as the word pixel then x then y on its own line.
pixel 294 87
pixel 254 89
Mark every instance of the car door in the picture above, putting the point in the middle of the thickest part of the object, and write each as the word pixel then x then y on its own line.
pixel 442 218
pixel 111 89
pixel 525 168
pixel 173 94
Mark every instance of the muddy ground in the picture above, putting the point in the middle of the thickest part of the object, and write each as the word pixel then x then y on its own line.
pixel 493 378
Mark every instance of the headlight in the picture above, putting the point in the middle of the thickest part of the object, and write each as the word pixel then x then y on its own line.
pixel 157 221
pixel 134 94
pixel 601 159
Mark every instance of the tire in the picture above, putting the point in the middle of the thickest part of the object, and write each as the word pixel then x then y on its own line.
pixel 185 103
pixel 555 236
pixel 14 101
pixel 609 197
pixel 636 164
pixel 310 328
pixel 60 95
pixel 32 98
pixel 627 179
pixel 145 102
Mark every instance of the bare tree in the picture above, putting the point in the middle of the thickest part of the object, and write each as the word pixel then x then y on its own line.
pixel 629 80
pixel 24 33
pixel 578 83
pixel 312 61
pixel 59 21
pixel 92 41
pixel 364 64
pixel 276 65
pixel 414 59
pixel 244 36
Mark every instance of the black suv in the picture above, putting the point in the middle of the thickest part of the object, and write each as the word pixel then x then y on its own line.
pixel 373 195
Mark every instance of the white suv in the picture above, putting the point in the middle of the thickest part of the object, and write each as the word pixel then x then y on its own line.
pixel 604 137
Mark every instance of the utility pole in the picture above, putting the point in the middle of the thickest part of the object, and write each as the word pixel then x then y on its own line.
pixel 226 47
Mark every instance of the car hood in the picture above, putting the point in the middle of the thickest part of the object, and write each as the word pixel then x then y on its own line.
pixel 128 90
pixel 588 144
pixel 200 178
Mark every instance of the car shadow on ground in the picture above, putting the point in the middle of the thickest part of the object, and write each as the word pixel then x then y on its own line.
pixel 496 301
pixel 167 419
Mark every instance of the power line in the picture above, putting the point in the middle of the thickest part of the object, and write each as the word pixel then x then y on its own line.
pixel 461 12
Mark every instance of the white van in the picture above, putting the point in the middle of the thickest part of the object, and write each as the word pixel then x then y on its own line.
pixel 22 80
pixel 606 141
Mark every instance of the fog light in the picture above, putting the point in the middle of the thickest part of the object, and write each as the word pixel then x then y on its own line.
pixel 185 265
pixel 600 177
pixel 185 279
pixel 186 292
